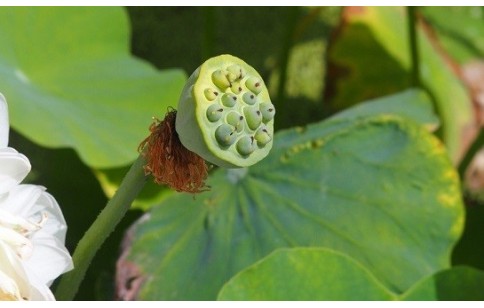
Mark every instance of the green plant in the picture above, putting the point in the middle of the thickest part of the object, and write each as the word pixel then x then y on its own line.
pixel 350 193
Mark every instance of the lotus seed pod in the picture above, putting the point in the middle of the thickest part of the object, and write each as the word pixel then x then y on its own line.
pixel 246 146
pixel 229 99
pixel 254 84
pixel 263 136
pixel 237 138
pixel 249 98
pixel 268 111
pixel 214 112
pixel 253 117
pixel 220 79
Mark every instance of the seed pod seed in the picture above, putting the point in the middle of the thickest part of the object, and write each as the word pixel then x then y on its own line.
pixel 263 136
pixel 254 84
pixel 253 117
pixel 229 100
pixel 246 145
pixel 220 80
pixel 236 88
pixel 214 112
pixel 249 98
pixel 236 120
pixel 268 111
pixel 210 94
pixel 237 71
pixel 225 134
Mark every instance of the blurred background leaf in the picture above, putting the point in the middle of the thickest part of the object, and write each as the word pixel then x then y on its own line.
pixel 70 81
pixel 369 56
pixel 379 189
pixel 460 283
pixel 459 29
pixel 271 39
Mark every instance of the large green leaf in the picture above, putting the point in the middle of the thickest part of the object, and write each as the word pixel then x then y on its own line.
pixel 460 283
pixel 370 56
pixel 412 104
pixel 322 274
pixel 70 81
pixel 380 189
pixel 305 274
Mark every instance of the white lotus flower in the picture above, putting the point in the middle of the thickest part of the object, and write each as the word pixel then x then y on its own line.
pixel 32 228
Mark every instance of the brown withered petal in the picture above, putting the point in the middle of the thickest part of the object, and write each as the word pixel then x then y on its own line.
pixel 169 161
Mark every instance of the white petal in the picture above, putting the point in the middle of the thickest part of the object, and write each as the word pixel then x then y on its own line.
pixel 49 260
pixel 19 244
pixel 3 122
pixel 21 199
pixel 14 167
pixel 31 202
pixel 11 265
pixel 19 224
pixel 55 224
pixel 8 288
pixel 39 291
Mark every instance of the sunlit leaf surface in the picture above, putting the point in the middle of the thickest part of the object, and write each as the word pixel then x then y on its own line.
pixel 70 81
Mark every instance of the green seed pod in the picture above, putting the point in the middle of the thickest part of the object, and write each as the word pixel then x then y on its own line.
pixel 229 99
pixel 268 111
pixel 246 145
pixel 214 112
pixel 224 128
pixel 263 136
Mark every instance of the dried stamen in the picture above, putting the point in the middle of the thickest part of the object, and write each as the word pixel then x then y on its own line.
pixel 169 161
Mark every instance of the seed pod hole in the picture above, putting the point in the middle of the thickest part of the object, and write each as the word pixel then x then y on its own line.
pixel 253 117
pixel 210 94
pixel 263 136
pixel 220 80
pixel 246 145
pixel 249 98
pixel 236 120
pixel 237 71
pixel 254 84
pixel 231 77
pixel 225 134
pixel 236 88
pixel 214 112
pixel 268 111
pixel 229 100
